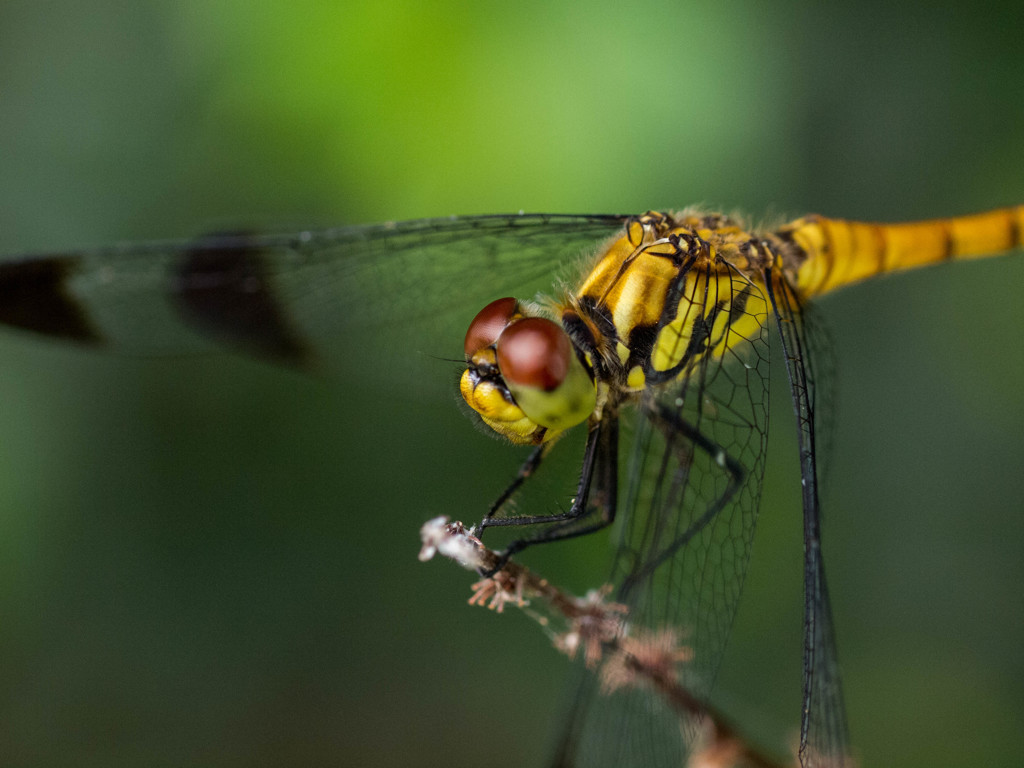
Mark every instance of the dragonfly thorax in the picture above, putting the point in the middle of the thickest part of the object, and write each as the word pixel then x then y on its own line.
pixel 524 376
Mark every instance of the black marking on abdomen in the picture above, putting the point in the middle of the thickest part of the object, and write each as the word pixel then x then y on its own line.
pixel 33 296
pixel 222 288
pixel 1015 233
pixel 949 249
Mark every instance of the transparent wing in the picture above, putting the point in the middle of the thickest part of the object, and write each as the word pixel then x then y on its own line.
pixel 820 363
pixel 314 299
pixel 824 739
pixel 688 512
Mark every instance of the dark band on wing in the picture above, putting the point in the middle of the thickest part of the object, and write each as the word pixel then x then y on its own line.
pixel 223 289
pixel 34 296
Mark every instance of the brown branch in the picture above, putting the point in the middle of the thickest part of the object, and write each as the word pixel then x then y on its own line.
pixel 631 656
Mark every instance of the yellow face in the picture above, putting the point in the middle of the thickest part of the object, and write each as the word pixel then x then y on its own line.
pixel 523 376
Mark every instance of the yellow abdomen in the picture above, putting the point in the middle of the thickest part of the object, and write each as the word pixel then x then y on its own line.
pixel 840 252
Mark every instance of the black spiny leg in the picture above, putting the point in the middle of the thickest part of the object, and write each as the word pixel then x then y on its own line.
pixel 526 470
pixel 598 483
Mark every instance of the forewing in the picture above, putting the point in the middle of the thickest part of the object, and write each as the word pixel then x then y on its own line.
pixel 385 297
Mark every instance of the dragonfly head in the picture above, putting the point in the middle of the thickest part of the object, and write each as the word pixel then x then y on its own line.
pixel 523 375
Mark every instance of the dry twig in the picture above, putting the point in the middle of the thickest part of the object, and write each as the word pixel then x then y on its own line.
pixel 629 656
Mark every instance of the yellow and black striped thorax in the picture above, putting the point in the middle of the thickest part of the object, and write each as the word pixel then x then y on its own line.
pixel 672 293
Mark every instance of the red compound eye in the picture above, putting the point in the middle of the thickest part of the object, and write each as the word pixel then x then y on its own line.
pixel 534 352
pixel 488 324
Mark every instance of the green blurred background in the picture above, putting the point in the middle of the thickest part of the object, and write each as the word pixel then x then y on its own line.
pixel 212 562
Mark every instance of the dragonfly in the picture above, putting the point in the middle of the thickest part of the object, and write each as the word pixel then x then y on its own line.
pixel 649 335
